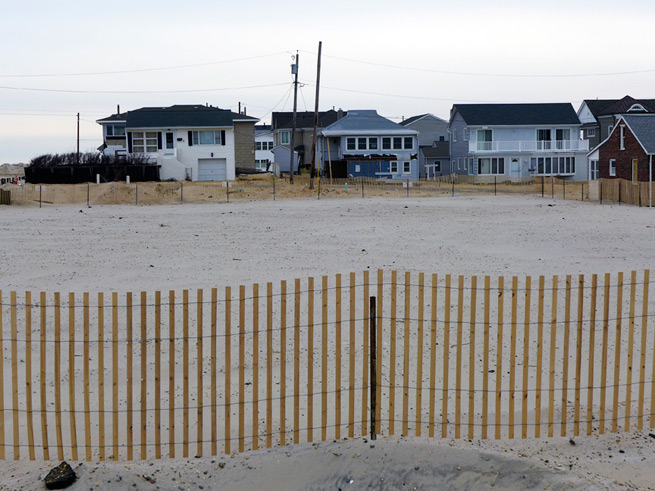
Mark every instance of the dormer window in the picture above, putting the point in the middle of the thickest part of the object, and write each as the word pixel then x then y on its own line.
pixel 637 108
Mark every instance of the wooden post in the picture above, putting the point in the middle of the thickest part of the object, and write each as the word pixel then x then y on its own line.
pixel 101 376
pixel 419 353
pixel 578 358
pixel 283 362
pixel 337 371
pixel 296 363
pixel 471 367
pixel 87 398
pixel 310 359
pixel 158 374
pixel 551 374
pixel 631 340
pixel 114 378
pixel 351 352
pixel 378 356
pixel 71 374
pixel 228 368
pixel 458 361
pixel 365 348
pixel 130 378
pixel 14 373
pixel 485 359
pixel 373 364
pixel 592 345
pixel 185 373
pixel 603 372
pixel 512 357
pixel 392 352
pixel 565 355
pixel 540 350
pixel 642 351
pixel 28 373
pixel 433 354
pixel 269 364
pixel 526 358
pixel 171 378
pixel 617 353
pixel 144 374
pixel 406 343
pixel 324 357
pixel 499 356
pixel 42 379
pixel 199 369
pixel 255 366
pixel 242 360
pixel 446 361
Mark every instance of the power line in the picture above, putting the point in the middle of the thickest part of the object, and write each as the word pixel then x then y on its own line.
pixel 482 74
pixel 70 91
pixel 139 70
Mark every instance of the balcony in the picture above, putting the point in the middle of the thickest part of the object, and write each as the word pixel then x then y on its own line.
pixel 529 146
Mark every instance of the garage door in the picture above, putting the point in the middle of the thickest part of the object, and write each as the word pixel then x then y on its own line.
pixel 212 170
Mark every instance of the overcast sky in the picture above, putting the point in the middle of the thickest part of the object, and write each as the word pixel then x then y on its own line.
pixel 400 58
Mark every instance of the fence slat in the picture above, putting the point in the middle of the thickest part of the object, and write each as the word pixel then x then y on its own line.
pixel 499 356
pixel 485 359
pixel 158 374
pixel 130 378
pixel 14 373
pixel 603 372
pixel 642 350
pixel 185 373
pixel 42 379
pixel 228 369
pixel 551 375
pixel 446 361
pixel 378 355
pixel 351 351
pixel 433 354
pixel 419 353
pixel 512 357
pixel 114 373
pixel 365 360
pixel 28 373
pixel 565 355
pixel 337 372
pixel 71 374
pixel 171 375
pixel 540 350
pixel 296 362
pixel 144 375
pixel 324 357
pixel 101 376
pixel 526 358
pixel 283 362
pixel 617 353
pixel 592 345
pixel 406 354
pixel 255 366
pixel 631 339
pixel 471 367
pixel 578 357
pixel 269 364
pixel 242 360
pixel 199 369
pixel 392 351
pixel 310 360
pixel 458 361
pixel 87 398
pixel 2 385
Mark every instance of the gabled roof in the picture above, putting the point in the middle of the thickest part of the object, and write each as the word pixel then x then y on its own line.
pixel 517 114
pixel 438 150
pixel 120 118
pixel 365 122
pixel 411 120
pixel 597 106
pixel 643 127
pixel 304 119
pixel 622 106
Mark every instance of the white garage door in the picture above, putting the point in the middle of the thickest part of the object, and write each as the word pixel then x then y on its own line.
pixel 212 170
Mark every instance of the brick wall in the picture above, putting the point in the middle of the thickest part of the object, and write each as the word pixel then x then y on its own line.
pixel 244 144
pixel 633 150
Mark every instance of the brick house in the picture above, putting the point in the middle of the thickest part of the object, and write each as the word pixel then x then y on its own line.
pixel 627 153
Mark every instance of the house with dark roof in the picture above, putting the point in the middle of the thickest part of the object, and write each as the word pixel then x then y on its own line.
pixel 264 144
pixel 282 125
pixel 434 150
pixel 515 141
pixel 194 142
pixel 365 144
pixel 627 153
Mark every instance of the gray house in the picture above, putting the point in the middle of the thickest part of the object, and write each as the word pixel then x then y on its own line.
pixel 515 141
pixel 434 150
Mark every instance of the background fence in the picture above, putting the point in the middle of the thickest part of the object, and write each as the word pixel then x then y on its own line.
pixel 154 375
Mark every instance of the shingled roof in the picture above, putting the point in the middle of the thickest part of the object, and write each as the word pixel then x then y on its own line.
pixel 365 121
pixel 180 116
pixel 304 119
pixel 643 127
pixel 517 114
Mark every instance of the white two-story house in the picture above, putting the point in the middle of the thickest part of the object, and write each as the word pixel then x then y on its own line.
pixel 365 144
pixel 192 142
pixel 514 141
pixel 263 147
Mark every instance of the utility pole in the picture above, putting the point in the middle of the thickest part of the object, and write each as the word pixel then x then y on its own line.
pixel 318 85
pixel 78 138
pixel 294 70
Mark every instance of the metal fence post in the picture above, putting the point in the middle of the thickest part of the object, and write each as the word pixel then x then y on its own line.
pixel 372 362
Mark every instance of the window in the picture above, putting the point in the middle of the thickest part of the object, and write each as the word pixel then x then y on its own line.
pixel 386 143
pixel 612 168
pixel 115 130
pixel 471 166
pixel 543 139
pixel 144 142
pixel 547 166
pixel 637 107
pixel 622 128
pixel 591 132
pixel 170 144
pixel 206 137
pixel 437 166
pixel 454 135
pixel 495 165
pixel 372 143
pixel 351 143
pixel 562 136
pixel 408 143
pixel 484 139
pixel 270 145
pixel 466 133
pixel 593 170
pixel 407 167
pixel 361 143
pixel 263 145
pixel 284 138
pixel 397 143
pixel 258 145
pixel 393 167
pixel 442 138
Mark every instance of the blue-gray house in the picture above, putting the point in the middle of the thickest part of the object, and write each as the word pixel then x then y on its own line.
pixel 365 144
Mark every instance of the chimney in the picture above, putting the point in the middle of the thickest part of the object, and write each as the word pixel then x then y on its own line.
pixel 239 111
pixel 244 111
pixel 339 114
pixel 118 108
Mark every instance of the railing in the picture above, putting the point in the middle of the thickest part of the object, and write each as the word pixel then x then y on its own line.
pixel 529 146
